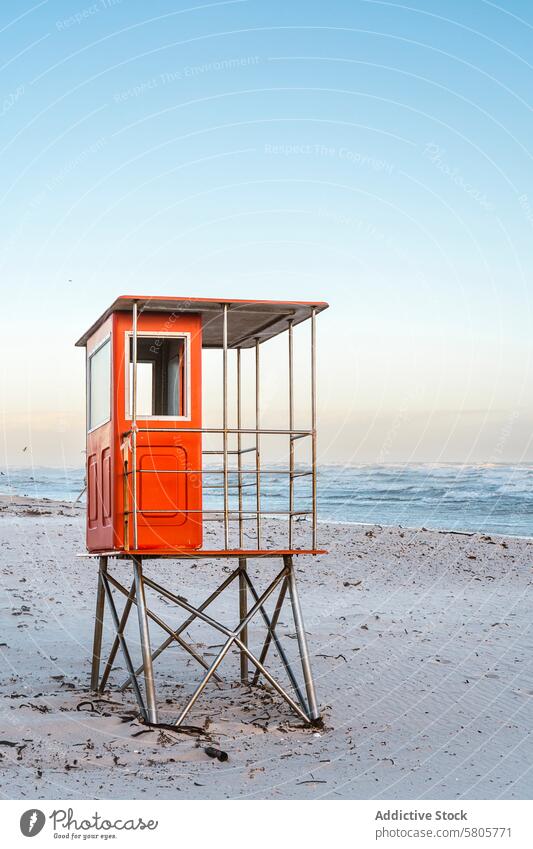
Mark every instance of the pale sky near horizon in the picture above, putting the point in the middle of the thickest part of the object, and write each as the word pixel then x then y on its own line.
pixel 372 154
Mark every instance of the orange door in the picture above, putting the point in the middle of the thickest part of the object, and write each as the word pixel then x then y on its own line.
pixel 169 454
pixel 169 490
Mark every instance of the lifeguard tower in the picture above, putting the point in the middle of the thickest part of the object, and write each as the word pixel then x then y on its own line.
pixel 156 477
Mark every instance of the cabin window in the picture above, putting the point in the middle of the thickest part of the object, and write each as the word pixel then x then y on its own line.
pixel 100 386
pixel 161 377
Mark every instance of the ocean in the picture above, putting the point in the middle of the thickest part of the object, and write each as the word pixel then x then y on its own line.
pixel 489 498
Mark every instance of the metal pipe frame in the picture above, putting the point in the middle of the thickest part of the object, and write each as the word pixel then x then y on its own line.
pixel 257 442
pixel 306 709
pixel 225 431
pixel 220 472
pixel 243 610
pixel 235 512
pixel 291 428
pixel 243 591
pixel 149 686
pixel 98 625
pixel 302 639
pixel 126 526
pixel 313 423
pixel 134 426
pixel 242 451
pixel 239 446
pixel 266 431
pixel 230 486
pixel 225 420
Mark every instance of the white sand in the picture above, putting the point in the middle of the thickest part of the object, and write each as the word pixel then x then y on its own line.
pixel 423 670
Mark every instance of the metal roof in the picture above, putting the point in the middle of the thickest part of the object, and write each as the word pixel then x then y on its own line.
pixel 247 320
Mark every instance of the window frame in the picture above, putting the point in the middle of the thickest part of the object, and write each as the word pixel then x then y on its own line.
pixel 151 334
pixel 105 341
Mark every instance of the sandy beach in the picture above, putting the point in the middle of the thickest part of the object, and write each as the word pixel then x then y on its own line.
pixel 421 644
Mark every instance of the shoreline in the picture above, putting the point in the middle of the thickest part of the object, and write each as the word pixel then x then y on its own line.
pixel 21 500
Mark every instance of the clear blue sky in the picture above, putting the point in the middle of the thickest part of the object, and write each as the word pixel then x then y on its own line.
pixel 373 154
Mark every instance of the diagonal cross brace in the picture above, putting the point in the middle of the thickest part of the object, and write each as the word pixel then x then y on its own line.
pixel 166 643
pixel 116 642
pixel 157 619
pixel 233 637
pixel 272 634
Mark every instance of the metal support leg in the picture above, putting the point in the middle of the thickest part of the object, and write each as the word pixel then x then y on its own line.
pixel 243 610
pixel 302 639
pixel 268 639
pixel 116 643
pixel 149 687
pixel 272 634
pixel 272 681
pixel 199 690
pixel 123 643
pixel 98 626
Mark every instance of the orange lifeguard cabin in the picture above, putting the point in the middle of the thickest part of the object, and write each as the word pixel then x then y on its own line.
pixel 147 482
pixel 160 507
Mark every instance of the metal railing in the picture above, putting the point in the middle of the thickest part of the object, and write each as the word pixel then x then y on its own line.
pixel 225 512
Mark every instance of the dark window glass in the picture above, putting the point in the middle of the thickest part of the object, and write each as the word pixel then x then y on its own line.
pixel 160 376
